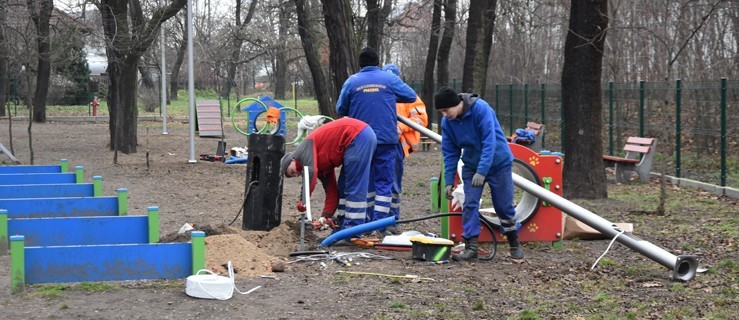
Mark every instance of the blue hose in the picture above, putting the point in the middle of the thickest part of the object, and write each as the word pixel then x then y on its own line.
pixel 354 231
pixel 236 160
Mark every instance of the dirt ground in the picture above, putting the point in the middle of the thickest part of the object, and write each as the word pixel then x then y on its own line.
pixel 555 282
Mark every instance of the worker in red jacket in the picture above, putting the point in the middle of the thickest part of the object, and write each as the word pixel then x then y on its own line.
pixel 347 143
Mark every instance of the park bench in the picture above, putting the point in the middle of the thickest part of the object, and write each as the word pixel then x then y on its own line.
pixel 537 129
pixel 639 156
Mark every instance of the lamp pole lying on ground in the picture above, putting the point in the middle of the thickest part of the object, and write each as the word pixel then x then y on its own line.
pixel 683 267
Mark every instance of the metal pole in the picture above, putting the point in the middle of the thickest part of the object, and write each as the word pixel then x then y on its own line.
pixel 163 79
pixel 191 83
pixel 526 103
pixel 610 117
pixel 723 132
pixel 684 267
pixel 543 112
pixel 678 128
pixel 510 109
pixel 641 108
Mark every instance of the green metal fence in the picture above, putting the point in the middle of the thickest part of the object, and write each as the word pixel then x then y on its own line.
pixel 696 123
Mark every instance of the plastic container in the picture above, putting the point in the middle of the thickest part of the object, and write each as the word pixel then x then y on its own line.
pixel 431 249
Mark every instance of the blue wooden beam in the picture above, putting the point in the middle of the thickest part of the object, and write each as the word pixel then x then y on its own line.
pixel 46 190
pixel 81 230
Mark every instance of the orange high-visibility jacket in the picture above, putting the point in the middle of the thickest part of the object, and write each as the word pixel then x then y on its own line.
pixel 416 112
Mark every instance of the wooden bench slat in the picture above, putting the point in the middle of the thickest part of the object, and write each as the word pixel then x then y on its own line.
pixel 636 148
pixel 618 159
pixel 640 140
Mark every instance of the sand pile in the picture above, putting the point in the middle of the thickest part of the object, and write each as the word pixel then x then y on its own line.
pixel 247 259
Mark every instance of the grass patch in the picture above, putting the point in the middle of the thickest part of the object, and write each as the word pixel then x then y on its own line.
pixel 95 287
pixel 479 305
pixel 528 315
pixel 50 291
pixel 397 304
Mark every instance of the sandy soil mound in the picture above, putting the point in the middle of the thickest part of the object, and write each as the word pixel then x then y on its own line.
pixel 247 259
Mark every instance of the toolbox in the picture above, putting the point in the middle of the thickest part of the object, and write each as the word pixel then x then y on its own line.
pixel 431 249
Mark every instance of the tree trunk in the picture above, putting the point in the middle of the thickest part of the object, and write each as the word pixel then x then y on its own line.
pixel 122 104
pixel 474 27
pixel 174 78
pixel 41 14
pixel 4 77
pixel 326 102
pixel 124 48
pixel 428 73
pixel 445 46
pixel 146 78
pixel 376 18
pixel 584 171
pixel 281 55
pixel 483 49
pixel 339 28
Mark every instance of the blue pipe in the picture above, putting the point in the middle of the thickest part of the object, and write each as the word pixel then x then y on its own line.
pixel 354 231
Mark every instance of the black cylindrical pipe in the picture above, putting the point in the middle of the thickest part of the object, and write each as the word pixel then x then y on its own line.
pixel 263 199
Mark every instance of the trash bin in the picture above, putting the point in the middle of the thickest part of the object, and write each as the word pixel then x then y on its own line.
pixel 263 198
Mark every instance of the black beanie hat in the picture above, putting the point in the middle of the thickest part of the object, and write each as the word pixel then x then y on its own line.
pixel 368 57
pixel 446 97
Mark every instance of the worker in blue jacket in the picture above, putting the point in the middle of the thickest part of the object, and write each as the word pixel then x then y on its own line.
pixel 470 130
pixel 370 96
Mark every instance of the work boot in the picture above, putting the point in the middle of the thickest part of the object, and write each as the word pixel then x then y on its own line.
pixel 470 251
pixel 515 247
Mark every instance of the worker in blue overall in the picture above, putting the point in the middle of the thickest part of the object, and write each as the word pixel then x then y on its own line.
pixel 470 130
pixel 370 96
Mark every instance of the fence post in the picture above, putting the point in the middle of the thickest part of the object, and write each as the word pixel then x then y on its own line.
pixel 525 103
pixel 497 95
pixel 510 109
pixel 610 118
pixel 641 108
pixel 723 132
pixel 454 84
pixel 543 114
pixel 561 120
pixel 678 128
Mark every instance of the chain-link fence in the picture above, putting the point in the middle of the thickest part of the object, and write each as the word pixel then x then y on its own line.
pixel 696 124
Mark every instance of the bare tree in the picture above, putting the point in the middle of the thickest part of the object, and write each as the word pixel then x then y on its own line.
pixel 237 40
pixel 281 54
pixel 376 19
pixel 4 76
pixel 474 26
pixel 181 42
pixel 308 36
pixel 40 11
pixel 339 28
pixel 445 46
pixel 482 55
pixel 128 35
pixel 428 74
pixel 584 171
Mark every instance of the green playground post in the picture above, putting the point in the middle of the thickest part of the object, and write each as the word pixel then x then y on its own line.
pixel 122 202
pixel 198 250
pixel 434 195
pixel 79 172
pixel 17 264
pixel 153 224
pixel 97 186
pixel 65 165
pixel 3 232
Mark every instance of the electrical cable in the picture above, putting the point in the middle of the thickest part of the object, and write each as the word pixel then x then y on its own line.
pixel 609 246
pixel 483 220
pixel 246 196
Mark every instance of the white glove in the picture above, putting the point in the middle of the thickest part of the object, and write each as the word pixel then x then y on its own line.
pixel 308 123
pixel 458 197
